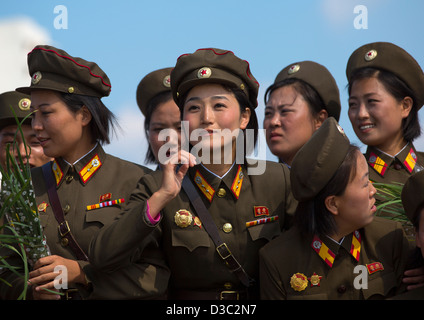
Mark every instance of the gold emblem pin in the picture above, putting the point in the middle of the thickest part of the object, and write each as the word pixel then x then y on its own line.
pixel 42 207
pixel 24 104
pixel 183 218
pixel 71 90
pixel 298 282
pixel 197 222
pixel 36 77
pixel 204 72
pixel 315 280
pixel 370 55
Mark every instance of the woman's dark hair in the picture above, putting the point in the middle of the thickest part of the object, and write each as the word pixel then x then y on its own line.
pixel 313 217
pixel 151 107
pixel 399 90
pixel 244 102
pixel 103 120
pixel 311 96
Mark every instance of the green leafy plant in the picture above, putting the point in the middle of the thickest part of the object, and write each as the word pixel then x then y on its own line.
pixel 22 232
pixel 389 205
pixel 389 202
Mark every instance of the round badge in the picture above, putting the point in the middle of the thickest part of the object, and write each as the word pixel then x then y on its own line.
pixel 42 207
pixel 24 104
pixel 204 72
pixel 317 244
pixel 36 77
pixel 293 69
pixel 167 81
pixel 298 282
pixel 183 218
pixel 95 162
pixel 370 55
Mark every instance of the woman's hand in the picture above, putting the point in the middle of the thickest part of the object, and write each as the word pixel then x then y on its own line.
pixel 174 171
pixel 43 276
pixel 414 278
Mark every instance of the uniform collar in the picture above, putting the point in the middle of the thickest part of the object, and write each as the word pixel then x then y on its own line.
pixel 207 182
pixel 381 161
pixel 328 249
pixel 85 167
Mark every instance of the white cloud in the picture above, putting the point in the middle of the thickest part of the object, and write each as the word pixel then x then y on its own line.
pixel 18 36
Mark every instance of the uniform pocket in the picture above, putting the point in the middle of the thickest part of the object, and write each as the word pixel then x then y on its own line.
pixel 190 239
pixel 380 287
pixel 266 231
pixel 104 216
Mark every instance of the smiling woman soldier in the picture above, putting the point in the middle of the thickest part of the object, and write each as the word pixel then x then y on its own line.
pixel 84 188
pixel 212 230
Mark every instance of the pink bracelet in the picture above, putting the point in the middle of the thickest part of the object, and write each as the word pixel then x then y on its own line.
pixel 151 220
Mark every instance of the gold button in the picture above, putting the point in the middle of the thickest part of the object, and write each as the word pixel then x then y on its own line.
pixel 222 193
pixel 71 90
pixel 64 242
pixel 69 178
pixel 227 227
pixel 67 208
pixel 228 286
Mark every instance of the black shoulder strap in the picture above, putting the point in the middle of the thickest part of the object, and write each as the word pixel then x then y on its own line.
pixel 210 227
pixel 64 230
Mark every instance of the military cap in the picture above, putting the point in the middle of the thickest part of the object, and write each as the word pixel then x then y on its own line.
pixel 54 69
pixel 151 85
pixel 19 102
pixel 319 78
pixel 211 65
pixel 391 58
pixel 318 160
pixel 413 196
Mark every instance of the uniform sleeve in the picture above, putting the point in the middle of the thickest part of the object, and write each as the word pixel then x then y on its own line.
pixel 145 277
pixel 271 287
pixel 115 244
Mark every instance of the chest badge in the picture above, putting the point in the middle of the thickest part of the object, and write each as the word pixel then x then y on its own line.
pixel 315 280
pixel 42 207
pixel 183 218
pixel 298 282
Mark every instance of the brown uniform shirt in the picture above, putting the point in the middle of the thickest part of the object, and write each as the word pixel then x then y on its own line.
pixel 232 201
pixel 322 269
pixel 387 169
pixel 97 177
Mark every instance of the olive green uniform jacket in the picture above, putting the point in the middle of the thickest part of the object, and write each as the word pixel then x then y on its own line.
pixel 383 253
pixel 387 169
pixel 95 178
pixel 196 267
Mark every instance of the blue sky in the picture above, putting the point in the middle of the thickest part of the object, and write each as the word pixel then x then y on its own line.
pixel 129 39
